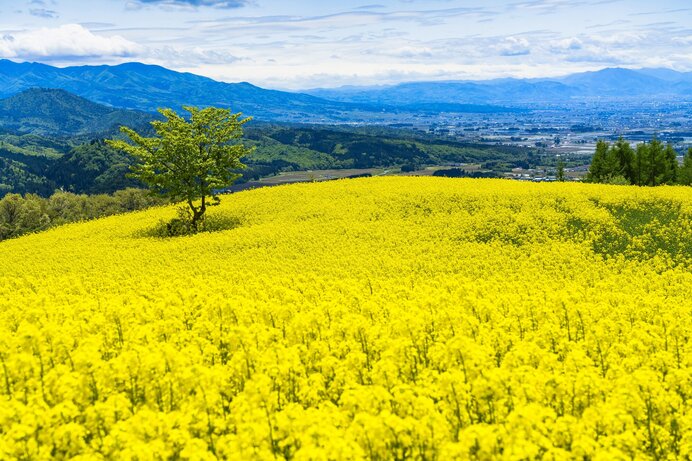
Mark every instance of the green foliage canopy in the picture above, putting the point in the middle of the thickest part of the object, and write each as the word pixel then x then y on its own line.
pixel 650 164
pixel 188 159
pixel 685 172
pixel 32 213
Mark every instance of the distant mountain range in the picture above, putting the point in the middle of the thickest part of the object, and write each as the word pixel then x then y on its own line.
pixel 611 83
pixel 146 88
pixel 58 112
pixel 143 87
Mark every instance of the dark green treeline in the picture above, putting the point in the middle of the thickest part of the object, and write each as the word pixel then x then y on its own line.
pixel 647 164
pixel 32 213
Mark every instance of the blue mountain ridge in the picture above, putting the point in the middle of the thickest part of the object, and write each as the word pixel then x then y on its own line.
pixel 147 87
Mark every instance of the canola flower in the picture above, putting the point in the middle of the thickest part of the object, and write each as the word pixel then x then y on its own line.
pixel 377 319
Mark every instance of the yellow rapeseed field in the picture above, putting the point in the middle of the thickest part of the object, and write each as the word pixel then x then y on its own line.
pixel 379 318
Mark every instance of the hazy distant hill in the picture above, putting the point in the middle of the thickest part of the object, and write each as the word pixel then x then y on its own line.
pixel 58 112
pixel 147 87
pixel 628 83
pixel 668 74
pixel 606 83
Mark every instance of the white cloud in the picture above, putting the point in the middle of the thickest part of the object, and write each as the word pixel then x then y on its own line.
pixel 407 52
pixel 566 45
pixel 43 13
pixel 683 40
pixel 175 56
pixel 628 38
pixel 66 41
pixel 188 4
pixel 513 46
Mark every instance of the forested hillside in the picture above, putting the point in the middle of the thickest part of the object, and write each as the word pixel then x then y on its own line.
pixel 41 164
pixel 57 112
pixel 304 147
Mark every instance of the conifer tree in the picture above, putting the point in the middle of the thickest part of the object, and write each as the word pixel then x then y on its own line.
pixel 624 154
pixel 670 165
pixel 656 163
pixel 599 163
pixel 685 172
pixel 641 161
pixel 560 172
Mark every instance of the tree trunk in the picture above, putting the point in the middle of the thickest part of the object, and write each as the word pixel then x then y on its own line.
pixel 198 213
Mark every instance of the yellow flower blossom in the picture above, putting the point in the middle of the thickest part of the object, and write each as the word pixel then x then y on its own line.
pixel 380 318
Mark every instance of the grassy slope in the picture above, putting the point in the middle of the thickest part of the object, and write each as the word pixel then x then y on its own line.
pixel 418 316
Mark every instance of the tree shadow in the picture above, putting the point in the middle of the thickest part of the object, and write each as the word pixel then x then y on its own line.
pixel 182 227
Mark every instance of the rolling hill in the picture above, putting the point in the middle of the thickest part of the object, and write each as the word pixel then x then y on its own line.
pixel 57 112
pixel 381 318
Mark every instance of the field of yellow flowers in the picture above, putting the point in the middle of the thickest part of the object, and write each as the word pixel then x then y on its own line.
pixel 379 318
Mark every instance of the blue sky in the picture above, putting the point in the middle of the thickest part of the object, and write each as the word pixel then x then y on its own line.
pixel 304 44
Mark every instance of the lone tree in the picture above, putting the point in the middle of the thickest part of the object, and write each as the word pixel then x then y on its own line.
pixel 189 160
pixel 560 171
